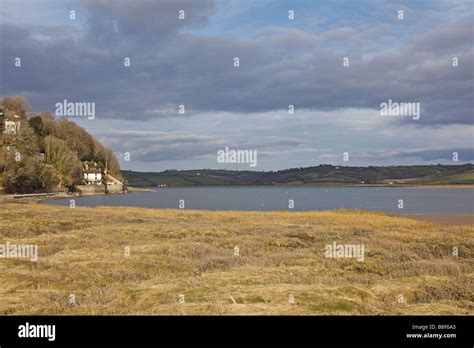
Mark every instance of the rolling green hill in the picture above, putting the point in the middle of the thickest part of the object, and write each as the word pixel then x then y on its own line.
pixel 320 175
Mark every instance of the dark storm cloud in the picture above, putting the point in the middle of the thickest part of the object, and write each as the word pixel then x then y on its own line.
pixel 278 67
pixel 144 22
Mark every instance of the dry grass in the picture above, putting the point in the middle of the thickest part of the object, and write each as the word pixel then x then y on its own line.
pixel 81 252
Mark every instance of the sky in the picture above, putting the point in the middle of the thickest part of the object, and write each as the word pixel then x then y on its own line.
pixel 337 115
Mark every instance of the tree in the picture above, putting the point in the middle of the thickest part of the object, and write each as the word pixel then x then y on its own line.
pixel 76 138
pixel 63 159
pixel 17 104
pixel 49 176
pixel 36 123
pixel 49 123
pixel 106 159
pixel 21 176
pixel 27 141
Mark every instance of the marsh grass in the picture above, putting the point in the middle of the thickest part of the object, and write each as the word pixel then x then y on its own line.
pixel 81 252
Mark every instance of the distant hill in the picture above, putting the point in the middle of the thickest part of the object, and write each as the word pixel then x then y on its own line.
pixel 310 176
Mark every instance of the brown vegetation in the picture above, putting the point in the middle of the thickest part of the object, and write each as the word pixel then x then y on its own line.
pixel 173 252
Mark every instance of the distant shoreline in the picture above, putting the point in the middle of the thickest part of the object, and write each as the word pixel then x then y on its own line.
pixel 153 188
pixel 43 196
pixel 330 185
pixel 322 175
pixel 444 219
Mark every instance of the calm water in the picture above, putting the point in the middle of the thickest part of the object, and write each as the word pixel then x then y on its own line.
pixel 415 200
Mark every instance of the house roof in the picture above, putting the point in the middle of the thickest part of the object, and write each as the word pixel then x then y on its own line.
pixel 92 171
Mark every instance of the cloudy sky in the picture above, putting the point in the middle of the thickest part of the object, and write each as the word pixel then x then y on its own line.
pixel 283 62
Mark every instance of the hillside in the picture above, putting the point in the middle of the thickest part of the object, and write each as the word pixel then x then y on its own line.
pixel 321 175
pixel 41 153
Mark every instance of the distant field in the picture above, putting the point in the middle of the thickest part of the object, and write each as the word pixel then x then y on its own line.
pixel 191 253
pixel 320 175
pixel 463 178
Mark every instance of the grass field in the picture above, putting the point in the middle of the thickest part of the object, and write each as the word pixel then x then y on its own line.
pixel 409 267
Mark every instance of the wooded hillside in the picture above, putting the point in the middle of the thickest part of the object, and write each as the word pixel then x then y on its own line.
pixel 319 175
pixel 41 153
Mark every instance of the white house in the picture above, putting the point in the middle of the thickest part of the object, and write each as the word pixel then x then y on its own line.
pixel 92 176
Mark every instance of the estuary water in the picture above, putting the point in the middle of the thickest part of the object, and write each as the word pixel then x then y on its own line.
pixel 389 199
